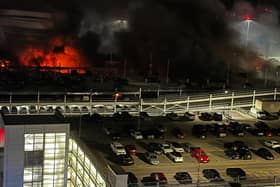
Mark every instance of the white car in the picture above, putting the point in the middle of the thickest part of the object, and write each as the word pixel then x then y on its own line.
pixel 177 147
pixel 175 157
pixel 272 144
pixel 118 148
pixel 166 148
pixel 137 135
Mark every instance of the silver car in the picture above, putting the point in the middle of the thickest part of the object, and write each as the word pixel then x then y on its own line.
pixel 151 158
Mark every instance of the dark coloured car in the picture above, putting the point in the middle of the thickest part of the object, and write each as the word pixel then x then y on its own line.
pixel 120 116
pixel 115 135
pixel 236 173
pixel 218 130
pixel 212 175
pixel 160 178
pixel 276 131
pixel 145 116
pixel 125 160
pixel 232 154
pixel 173 116
pixel 131 149
pixel 218 116
pixel 178 133
pixel 95 117
pixel 255 131
pixel 244 154
pixel 154 148
pixel 189 116
pixel 149 181
pixel 269 116
pixel 205 116
pixel 264 128
pixel 236 145
pixel 264 153
pixel 132 180
pixel 199 131
pixel 277 150
pixel 236 129
pixel 183 177
pixel 148 134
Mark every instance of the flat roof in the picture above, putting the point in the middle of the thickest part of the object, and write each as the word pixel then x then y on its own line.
pixel 33 119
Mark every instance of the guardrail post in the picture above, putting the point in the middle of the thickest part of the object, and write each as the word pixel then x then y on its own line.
pixel 210 102
pixel 141 105
pixel 232 101
pixel 180 92
pixel 158 93
pixel 11 100
pixel 188 103
pixel 90 102
pixel 115 106
pixel 38 101
pixel 65 100
pixel 275 94
pixel 164 105
pixel 254 97
pixel 140 93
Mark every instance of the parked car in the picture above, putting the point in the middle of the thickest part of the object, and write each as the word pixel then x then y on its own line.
pixel 264 153
pixel 148 134
pixel 178 133
pixel 155 148
pixel 257 113
pixel 205 116
pixel 118 148
pixel 14 110
pixel 236 129
pixel 32 109
pixel 188 147
pixel 125 160
pixel 145 116
pixel 177 147
pixel 5 110
pixel 115 135
pixel 199 131
pixel 151 158
pixel 137 135
pixel 183 177
pixel 131 149
pixel 255 131
pixel 23 110
pixel 160 178
pixel 271 144
pixel 149 181
pixel 217 116
pixel 264 128
pixel 200 155
pixel 236 173
pixel 235 145
pixel 189 116
pixel 173 116
pixel 212 175
pixel 166 148
pixel 132 180
pixel 120 116
pixel 161 128
pixel 219 130
pixel 175 156
pixel 95 117
pixel 232 154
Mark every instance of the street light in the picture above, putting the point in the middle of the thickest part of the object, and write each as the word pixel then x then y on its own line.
pixel 248 19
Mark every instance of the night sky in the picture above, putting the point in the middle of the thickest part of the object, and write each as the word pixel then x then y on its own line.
pixel 193 34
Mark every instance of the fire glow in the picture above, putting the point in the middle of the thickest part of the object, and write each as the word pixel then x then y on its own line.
pixel 59 56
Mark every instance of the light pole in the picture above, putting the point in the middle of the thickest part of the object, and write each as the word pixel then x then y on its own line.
pixel 248 20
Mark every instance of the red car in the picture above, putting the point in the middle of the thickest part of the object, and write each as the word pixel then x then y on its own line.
pixel 131 149
pixel 159 177
pixel 179 133
pixel 200 155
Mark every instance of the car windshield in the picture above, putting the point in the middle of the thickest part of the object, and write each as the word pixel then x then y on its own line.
pixel 119 147
pixel 153 157
pixel 166 147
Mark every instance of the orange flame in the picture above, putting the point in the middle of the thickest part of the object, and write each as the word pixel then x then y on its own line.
pixel 59 55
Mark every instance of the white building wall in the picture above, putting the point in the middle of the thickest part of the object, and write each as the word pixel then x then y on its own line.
pixel 14 157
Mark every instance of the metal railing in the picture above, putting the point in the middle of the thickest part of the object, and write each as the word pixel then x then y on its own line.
pixel 35 103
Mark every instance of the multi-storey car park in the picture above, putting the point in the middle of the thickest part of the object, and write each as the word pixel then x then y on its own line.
pixel 40 150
